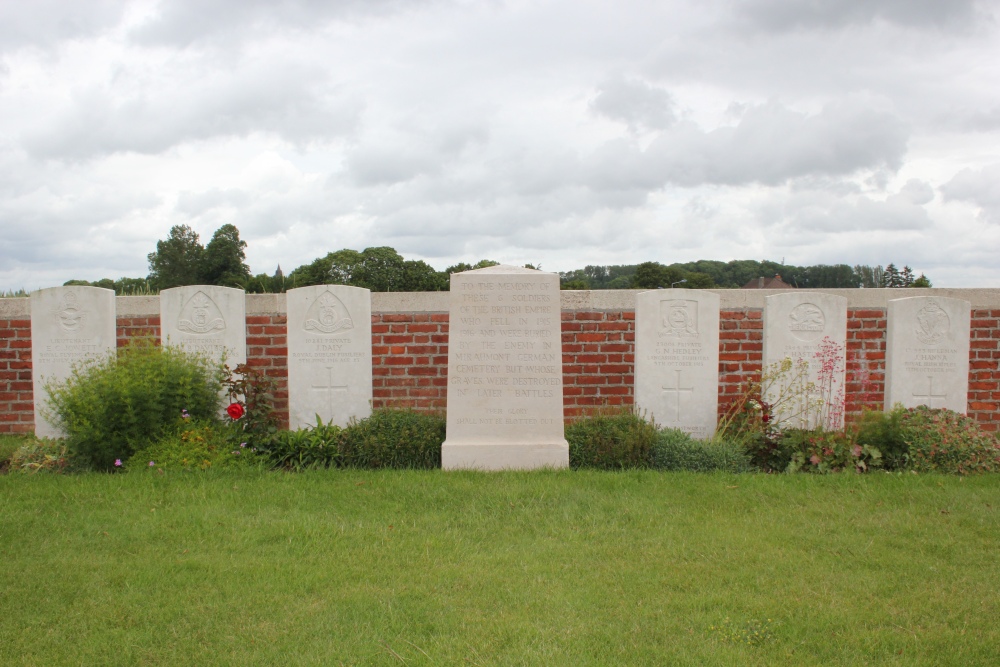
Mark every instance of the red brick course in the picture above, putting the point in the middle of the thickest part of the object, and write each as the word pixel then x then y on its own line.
pixel 410 360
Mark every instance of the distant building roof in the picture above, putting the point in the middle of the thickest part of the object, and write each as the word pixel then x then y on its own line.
pixel 768 283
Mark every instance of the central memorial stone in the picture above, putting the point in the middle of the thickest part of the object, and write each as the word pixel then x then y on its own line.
pixel 505 399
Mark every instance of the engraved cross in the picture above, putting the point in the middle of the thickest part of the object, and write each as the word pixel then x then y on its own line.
pixel 329 388
pixel 677 390
pixel 930 395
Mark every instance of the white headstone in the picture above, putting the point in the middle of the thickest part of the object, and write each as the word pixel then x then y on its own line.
pixel 329 354
pixel 677 359
pixel 505 399
pixel 808 326
pixel 206 319
pixel 927 353
pixel 68 325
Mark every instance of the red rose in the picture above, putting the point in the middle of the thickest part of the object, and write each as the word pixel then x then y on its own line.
pixel 764 418
pixel 235 410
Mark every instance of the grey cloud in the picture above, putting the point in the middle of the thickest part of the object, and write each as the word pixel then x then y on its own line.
pixel 44 23
pixel 636 103
pixel 980 187
pixel 183 22
pixel 826 213
pixel 196 203
pixel 784 15
pixel 770 145
pixel 284 100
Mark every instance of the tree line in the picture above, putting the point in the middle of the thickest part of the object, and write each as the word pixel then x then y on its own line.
pixel 181 259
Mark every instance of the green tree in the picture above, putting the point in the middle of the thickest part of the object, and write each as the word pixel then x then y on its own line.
pixel 223 259
pixel 177 260
pixel 381 269
pixel 922 281
pixel 652 275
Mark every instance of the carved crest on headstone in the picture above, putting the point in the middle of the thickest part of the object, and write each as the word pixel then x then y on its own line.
pixel 806 321
pixel 200 315
pixel 69 315
pixel 328 315
pixel 679 317
pixel 932 324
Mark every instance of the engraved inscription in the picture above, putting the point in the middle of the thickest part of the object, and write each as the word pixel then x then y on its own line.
pixel 932 324
pixel 328 315
pixel 806 322
pixel 328 388
pixel 200 316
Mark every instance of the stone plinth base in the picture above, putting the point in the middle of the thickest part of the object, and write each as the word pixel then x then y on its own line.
pixel 496 456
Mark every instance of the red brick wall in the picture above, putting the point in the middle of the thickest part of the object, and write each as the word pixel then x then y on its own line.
pixel 410 360
pixel 598 360
pixel 984 361
pixel 17 409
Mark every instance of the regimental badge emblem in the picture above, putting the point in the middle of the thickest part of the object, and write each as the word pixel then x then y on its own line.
pixel 679 318
pixel 933 324
pixel 201 316
pixel 69 315
pixel 806 321
pixel 328 315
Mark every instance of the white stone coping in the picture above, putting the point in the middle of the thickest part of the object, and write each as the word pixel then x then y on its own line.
pixel 571 300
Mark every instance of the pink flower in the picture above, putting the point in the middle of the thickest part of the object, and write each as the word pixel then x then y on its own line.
pixel 815 459
pixel 118 463
pixel 151 464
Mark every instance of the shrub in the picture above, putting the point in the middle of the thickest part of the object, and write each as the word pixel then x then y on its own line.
pixel 42 455
pixel 674 449
pixel 253 392
pixel 113 406
pixel 883 431
pixel 392 438
pixel 611 440
pixel 195 445
pixel 827 451
pixel 304 449
pixel 944 441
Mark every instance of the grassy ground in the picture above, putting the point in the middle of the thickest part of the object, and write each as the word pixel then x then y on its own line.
pixel 549 568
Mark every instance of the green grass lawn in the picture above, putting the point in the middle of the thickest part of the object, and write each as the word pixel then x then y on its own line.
pixel 546 568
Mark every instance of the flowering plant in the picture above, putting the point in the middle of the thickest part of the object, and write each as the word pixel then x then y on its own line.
pixel 235 411
pixel 252 396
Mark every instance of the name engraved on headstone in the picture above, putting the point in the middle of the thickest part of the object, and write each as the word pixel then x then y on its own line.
pixel 68 326
pixel 677 359
pixel 505 371
pixel 329 354
pixel 927 353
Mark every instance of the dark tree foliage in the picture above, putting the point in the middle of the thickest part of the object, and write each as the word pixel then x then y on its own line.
pixel 223 259
pixel 177 260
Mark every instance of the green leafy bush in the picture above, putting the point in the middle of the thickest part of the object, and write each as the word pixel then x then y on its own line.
pixel 195 446
pixel 883 431
pixel 827 451
pixel 392 438
pixel 253 391
pixel 676 450
pixel 304 449
pixel 43 455
pixel 611 440
pixel 113 406
pixel 941 440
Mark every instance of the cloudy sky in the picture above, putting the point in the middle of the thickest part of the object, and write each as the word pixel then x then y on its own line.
pixel 557 132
